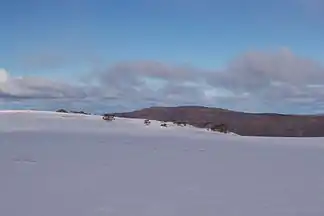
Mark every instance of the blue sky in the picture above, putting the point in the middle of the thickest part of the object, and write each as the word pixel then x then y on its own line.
pixel 69 40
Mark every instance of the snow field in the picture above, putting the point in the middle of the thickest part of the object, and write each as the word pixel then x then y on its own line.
pixel 72 165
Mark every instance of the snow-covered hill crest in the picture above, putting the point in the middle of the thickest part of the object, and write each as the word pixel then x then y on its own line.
pixel 29 120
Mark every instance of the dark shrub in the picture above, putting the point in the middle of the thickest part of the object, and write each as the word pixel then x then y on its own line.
pixel 147 122
pixel 80 112
pixel 62 111
pixel 108 117
pixel 164 125
pixel 180 123
pixel 220 128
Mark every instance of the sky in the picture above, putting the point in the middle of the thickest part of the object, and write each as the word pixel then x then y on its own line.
pixel 119 55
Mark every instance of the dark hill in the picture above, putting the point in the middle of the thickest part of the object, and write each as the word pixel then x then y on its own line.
pixel 246 124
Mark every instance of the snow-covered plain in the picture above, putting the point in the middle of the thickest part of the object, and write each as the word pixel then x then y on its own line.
pixel 54 164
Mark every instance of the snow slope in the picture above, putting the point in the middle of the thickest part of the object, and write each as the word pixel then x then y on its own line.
pixel 54 164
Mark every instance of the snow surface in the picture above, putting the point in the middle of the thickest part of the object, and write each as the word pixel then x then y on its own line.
pixel 56 164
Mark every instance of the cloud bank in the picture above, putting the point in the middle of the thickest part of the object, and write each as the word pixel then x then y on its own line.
pixel 254 81
pixel 35 88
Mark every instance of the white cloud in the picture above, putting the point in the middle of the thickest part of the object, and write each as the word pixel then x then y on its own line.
pixel 3 75
pixel 35 87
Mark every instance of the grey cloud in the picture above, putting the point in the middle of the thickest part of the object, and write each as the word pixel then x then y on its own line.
pixel 150 69
pixel 278 77
pixel 180 93
pixel 258 70
pixel 153 81
pixel 255 81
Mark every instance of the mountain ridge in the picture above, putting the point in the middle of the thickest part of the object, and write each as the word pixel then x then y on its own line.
pixel 241 123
